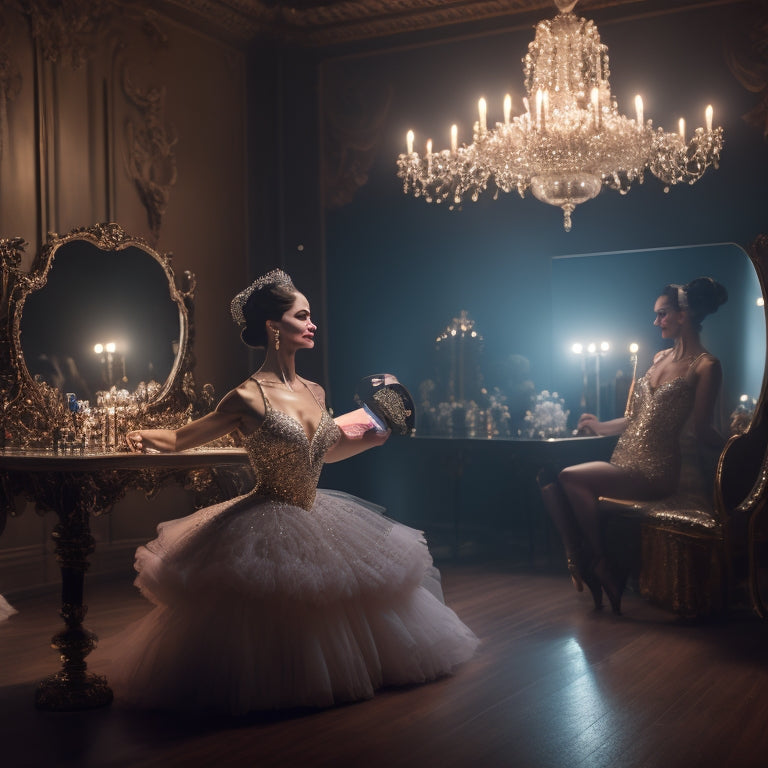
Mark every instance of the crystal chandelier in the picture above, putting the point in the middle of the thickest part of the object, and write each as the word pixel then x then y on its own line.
pixel 570 141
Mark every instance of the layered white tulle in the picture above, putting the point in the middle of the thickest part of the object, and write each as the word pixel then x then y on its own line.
pixel 260 605
pixel 6 609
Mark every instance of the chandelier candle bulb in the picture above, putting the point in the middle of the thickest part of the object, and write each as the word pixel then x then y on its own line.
pixel 639 110
pixel 682 129
pixel 482 109
pixel 708 118
pixel 454 139
pixel 508 109
pixel 409 142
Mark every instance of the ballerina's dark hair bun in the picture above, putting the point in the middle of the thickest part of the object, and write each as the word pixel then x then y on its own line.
pixel 267 298
pixel 704 295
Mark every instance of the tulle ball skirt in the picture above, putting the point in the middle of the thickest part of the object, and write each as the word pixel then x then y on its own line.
pixel 263 605
pixel 6 609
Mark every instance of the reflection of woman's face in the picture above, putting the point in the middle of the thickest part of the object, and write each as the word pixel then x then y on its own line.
pixel 296 326
pixel 668 318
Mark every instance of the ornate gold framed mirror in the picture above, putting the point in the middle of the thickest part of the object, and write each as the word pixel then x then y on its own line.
pixel 99 311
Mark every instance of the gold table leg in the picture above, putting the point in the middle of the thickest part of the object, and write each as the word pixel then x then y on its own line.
pixel 73 687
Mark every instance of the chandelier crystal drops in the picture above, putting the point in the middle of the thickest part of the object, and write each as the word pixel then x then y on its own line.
pixel 569 142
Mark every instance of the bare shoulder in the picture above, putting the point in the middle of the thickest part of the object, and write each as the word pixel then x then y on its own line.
pixel 709 365
pixel 245 399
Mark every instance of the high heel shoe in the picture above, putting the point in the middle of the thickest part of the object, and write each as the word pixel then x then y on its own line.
pixel 580 577
pixel 613 587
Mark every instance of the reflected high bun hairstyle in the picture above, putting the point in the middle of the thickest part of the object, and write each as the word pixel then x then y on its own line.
pixel 267 298
pixel 700 297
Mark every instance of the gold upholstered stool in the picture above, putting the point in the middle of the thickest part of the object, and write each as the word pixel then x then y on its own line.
pixel 682 564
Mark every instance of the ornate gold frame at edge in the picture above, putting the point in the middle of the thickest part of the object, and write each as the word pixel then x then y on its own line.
pixel 754 505
pixel 31 410
pixel 741 518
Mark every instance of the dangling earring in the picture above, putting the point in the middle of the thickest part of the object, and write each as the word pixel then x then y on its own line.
pixel 276 331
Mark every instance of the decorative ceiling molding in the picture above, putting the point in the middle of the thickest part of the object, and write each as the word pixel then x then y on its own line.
pixel 329 22
pixel 65 31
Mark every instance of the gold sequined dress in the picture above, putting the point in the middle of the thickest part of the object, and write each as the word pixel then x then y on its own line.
pixel 650 445
pixel 285 597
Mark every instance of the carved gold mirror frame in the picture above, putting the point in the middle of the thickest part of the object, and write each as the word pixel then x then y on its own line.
pixel 32 410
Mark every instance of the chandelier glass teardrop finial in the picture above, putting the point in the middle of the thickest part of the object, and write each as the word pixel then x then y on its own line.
pixel 568 142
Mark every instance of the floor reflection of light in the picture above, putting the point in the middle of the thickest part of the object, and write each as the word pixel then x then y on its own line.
pixel 585 716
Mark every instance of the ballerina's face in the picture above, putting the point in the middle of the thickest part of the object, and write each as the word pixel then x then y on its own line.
pixel 296 326
pixel 669 319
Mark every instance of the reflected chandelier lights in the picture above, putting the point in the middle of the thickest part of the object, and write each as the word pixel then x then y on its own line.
pixel 570 141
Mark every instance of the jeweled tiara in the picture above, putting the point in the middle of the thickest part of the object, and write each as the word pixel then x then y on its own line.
pixel 275 277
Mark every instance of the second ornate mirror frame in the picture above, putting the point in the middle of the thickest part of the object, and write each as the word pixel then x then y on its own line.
pixel 32 409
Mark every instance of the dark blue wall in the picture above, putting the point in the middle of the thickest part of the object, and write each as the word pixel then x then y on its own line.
pixel 399 269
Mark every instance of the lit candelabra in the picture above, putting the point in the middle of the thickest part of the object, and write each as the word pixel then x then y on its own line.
pixel 634 348
pixel 594 351
pixel 569 142
pixel 107 355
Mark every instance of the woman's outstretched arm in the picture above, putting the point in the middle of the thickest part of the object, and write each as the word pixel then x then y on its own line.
pixel 225 419
pixel 357 435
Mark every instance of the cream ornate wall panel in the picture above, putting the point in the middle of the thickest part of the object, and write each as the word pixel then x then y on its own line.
pixel 18 156
pixel 204 224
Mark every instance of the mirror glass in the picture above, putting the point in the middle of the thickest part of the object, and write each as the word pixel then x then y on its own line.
pixel 609 297
pixel 100 297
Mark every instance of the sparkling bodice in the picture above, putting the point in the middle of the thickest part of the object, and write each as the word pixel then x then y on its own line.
pixel 650 443
pixel 286 462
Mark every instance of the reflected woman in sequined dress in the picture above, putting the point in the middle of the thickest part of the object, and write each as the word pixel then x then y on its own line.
pixel 679 389
pixel 287 596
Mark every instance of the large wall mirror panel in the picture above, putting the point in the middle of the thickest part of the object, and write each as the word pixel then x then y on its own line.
pixel 694 552
pixel 609 297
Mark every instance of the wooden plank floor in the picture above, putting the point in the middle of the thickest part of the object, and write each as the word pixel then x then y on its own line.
pixel 554 684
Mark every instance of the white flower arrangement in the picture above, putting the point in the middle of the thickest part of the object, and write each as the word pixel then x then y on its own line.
pixel 548 417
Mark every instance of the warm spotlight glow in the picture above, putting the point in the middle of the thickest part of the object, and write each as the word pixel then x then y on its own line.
pixel 110 346
pixel 760 302
pixel 98 348
pixel 633 348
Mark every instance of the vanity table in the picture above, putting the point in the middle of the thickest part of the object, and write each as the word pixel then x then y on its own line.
pixel 502 474
pixel 81 363
pixel 465 492
pixel 74 487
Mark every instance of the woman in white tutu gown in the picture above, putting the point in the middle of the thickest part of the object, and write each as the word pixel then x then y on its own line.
pixel 287 596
